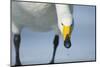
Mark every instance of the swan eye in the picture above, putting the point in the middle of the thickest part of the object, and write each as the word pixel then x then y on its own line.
pixel 62 24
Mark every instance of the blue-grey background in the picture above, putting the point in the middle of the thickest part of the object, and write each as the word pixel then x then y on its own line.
pixel 37 47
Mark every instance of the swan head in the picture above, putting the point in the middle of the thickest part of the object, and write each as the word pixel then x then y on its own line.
pixel 65 26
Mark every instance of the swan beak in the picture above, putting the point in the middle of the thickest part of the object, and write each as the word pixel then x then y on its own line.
pixel 66 32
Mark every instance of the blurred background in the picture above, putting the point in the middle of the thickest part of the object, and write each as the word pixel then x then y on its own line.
pixel 37 47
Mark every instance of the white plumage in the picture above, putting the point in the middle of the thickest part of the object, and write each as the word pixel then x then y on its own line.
pixel 37 16
pixel 40 17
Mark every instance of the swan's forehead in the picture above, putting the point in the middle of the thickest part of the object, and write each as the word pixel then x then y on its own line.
pixel 67 21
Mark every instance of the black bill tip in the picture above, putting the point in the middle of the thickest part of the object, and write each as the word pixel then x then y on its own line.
pixel 67 42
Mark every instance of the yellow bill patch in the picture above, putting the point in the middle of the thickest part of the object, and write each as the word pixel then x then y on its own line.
pixel 66 31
